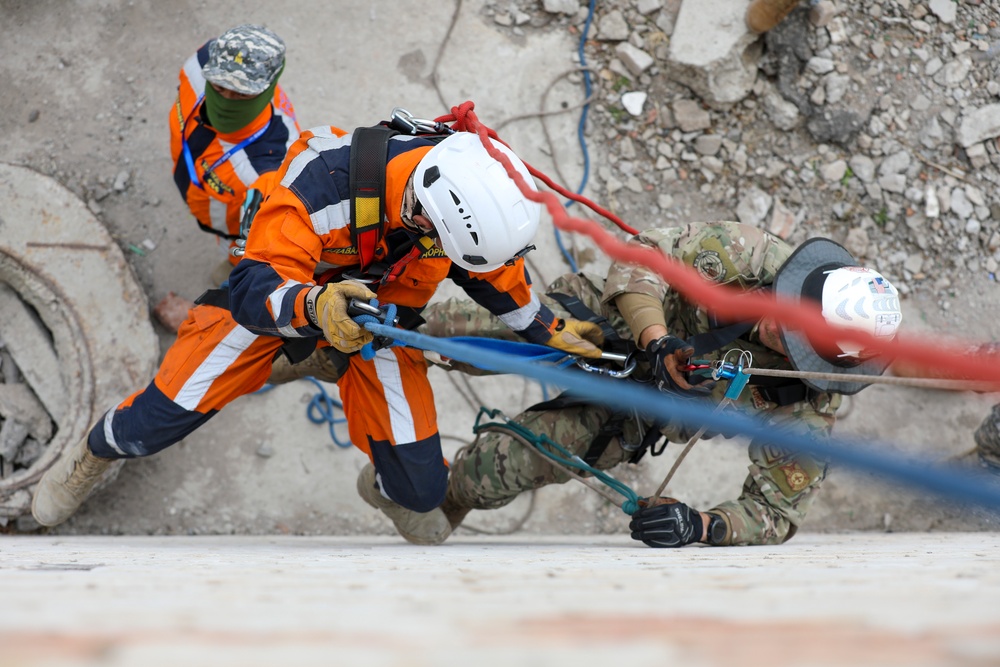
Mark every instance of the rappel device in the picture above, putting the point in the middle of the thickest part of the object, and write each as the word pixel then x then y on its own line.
pixel 357 308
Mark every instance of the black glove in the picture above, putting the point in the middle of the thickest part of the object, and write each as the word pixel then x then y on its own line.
pixel 672 524
pixel 666 355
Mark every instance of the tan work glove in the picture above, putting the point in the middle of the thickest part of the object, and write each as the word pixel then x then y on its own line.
pixel 326 308
pixel 577 337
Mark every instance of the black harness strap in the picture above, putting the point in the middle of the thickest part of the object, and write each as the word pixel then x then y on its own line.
pixel 716 339
pixel 612 428
pixel 215 297
pixel 212 230
pixel 580 311
pixel 369 155
pixel 783 391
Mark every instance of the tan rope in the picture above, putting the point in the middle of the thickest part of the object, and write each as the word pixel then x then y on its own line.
pixel 926 383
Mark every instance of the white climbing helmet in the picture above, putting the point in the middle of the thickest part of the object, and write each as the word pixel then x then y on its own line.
pixel 481 217
pixel 825 273
pixel 858 298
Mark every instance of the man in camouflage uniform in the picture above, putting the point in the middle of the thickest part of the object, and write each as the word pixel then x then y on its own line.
pixel 639 305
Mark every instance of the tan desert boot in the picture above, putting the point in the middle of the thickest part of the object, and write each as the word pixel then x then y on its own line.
pixel 425 528
pixel 762 15
pixel 65 485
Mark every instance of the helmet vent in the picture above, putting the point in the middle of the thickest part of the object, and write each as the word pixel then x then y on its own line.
pixel 475 237
pixel 454 198
pixel 431 175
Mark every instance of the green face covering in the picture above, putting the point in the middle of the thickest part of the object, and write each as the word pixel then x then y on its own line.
pixel 229 116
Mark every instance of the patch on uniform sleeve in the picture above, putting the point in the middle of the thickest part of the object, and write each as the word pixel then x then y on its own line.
pixel 759 402
pixel 709 264
pixel 796 476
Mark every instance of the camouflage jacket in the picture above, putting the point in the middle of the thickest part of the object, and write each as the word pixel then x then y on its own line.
pixel 727 253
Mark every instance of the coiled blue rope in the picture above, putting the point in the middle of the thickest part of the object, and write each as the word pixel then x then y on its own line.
pixel 320 411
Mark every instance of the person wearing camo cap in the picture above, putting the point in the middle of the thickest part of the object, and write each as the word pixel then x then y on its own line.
pixel 230 128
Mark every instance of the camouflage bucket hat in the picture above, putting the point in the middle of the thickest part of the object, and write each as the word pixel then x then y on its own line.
pixel 245 59
pixel 789 283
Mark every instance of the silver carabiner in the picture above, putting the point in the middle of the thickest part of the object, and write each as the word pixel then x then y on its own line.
pixel 627 360
pixel 406 122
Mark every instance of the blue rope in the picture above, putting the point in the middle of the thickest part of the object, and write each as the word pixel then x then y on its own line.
pixel 862 455
pixel 581 126
pixel 320 411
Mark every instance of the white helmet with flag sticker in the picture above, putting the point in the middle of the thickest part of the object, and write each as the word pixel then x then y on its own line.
pixel 859 298
pixel 825 273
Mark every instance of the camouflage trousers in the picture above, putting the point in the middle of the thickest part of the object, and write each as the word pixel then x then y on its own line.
pixel 497 467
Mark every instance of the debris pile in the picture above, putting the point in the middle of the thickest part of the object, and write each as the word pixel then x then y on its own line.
pixel 874 123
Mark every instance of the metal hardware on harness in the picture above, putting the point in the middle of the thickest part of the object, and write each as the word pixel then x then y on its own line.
pixel 405 122
pixel 250 207
pixel 733 371
pixel 358 307
pixel 627 360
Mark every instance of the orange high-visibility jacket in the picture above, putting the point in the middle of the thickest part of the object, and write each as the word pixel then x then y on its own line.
pixel 215 197
pixel 303 229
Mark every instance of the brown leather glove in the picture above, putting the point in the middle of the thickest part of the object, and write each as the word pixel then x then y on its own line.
pixel 577 337
pixel 326 308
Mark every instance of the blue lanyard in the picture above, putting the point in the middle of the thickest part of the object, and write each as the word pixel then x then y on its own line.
pixel 189 159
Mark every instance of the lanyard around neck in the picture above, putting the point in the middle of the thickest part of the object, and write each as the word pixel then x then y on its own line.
pixel 189 159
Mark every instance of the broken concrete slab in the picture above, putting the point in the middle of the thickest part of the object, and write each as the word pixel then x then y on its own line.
pixel 979 125
pixel 19 403
pixel 29 343
pixel 712 51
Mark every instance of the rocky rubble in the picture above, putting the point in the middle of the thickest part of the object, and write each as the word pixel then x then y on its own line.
pixel 873 122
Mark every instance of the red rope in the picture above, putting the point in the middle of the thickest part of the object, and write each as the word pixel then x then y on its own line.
pixel 727 302
pixel 465 121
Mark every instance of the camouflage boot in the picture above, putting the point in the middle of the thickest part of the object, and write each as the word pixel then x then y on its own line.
pixel 326 364
pixel 68 483
pixel 762 15
pixel 425 528
pixel 454 510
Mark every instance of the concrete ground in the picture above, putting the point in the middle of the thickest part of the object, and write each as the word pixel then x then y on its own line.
pixel 857 599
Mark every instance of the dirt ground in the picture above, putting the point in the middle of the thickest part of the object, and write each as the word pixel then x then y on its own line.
pixel 87 88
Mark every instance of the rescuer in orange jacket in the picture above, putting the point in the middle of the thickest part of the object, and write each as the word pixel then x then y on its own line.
pixel 450 211
pixel 230 127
